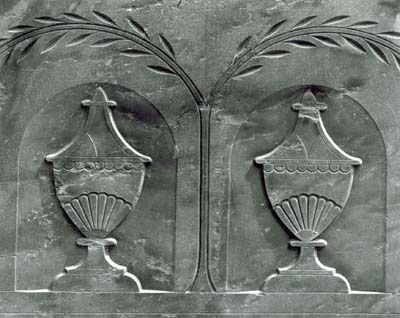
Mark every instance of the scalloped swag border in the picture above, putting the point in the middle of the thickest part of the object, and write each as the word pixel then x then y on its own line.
pixel 275 43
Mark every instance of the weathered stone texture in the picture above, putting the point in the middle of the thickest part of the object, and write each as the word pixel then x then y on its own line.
pixel 187 143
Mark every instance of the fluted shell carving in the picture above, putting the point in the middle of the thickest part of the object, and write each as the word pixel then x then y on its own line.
pixel 97 214
pixel 307 216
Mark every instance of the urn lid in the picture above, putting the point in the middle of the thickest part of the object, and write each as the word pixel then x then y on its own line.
pixel 99 139
pixel 309 143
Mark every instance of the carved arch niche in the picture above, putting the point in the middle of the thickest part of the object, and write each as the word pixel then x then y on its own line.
pixel 146 238
pixel 256 240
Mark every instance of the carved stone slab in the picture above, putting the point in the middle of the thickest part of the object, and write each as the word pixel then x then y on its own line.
pixel 199 158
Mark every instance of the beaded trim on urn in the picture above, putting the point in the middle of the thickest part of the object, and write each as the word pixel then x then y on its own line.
pixel 97 165
pixel 291 166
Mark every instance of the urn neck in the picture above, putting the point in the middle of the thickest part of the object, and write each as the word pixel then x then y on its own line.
pixel 98 120
pixel 99 137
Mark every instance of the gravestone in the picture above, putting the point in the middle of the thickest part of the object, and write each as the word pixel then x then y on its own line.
pixel 198 158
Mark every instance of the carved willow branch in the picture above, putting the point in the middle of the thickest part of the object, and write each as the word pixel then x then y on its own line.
pixel 303 35
pixel 68 22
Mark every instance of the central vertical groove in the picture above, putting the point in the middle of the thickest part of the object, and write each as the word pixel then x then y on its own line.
pixel 202 281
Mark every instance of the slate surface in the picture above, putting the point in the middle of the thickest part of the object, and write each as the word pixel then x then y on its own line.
pixel 203 99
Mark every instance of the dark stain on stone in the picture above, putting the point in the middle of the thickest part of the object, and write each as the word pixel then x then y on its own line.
pixel 354 84
pixel 392 6
pixel 7 5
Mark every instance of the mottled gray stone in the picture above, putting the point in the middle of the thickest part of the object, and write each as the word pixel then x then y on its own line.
pixel 202 94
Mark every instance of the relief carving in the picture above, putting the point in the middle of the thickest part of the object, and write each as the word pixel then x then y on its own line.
pixel 97 190
pixel 98 179
pixel 308 180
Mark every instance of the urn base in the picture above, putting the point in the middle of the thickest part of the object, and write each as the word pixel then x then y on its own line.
pixel 307 274
pixel 97 272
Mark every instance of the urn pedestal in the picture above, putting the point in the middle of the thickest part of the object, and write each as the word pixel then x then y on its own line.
pixel 98 178
pixel 307 274
pixel 97 271
pixel 308 180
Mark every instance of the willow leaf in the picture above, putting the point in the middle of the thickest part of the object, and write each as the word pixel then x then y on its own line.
pixel 161 70
pixel 302 43
pixel 355 44
pixel 242 47
pixel 378 52
pixel 7 56
pixel 104 18
pixel 274 54
pixel 390 34
pixel 24 53
pixel 79 39
pixel 167 46
pixel 274 29
pixel 335 20
pixel 137 28
pixel 396 60
pixel 363 24
pixel 74 17
pixel 304 22
pixel 326 40
pixel 105 42
pixel 134 52
pixel 53 43
pixel 244 44
pixel 20 28
pixel 47 20
pixel 248 71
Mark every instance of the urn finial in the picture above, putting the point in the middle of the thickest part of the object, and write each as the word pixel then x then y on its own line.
pixel 99 99
pixel 309 106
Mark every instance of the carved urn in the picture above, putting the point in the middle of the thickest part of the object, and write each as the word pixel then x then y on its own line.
pixel 308 180
pixel 98 179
